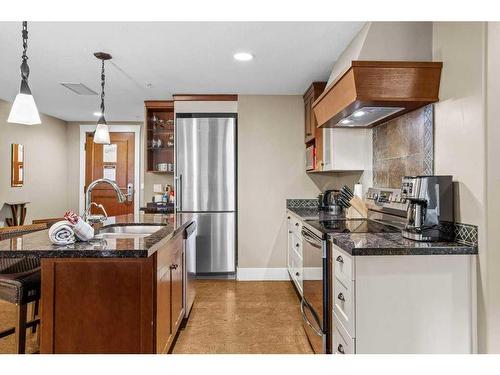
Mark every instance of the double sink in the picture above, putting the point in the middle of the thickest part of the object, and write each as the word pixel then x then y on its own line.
pixel 127 231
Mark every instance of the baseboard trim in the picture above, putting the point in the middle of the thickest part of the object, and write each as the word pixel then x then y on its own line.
pixel 262 274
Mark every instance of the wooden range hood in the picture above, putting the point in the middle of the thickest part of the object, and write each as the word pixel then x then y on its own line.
pixel 372 92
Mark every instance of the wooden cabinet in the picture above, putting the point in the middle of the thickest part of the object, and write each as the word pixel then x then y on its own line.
pixel 159 120
pixel 113 305
pixel 177 277
pixel 169 284
pixel 310 124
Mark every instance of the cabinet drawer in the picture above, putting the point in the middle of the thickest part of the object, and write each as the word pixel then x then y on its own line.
pixel 343 305
pixel 342 343
pixel 297 245
pixel 294 224
pixel 343 268
pixel 296 269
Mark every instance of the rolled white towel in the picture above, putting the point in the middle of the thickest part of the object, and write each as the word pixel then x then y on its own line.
pixel 62 233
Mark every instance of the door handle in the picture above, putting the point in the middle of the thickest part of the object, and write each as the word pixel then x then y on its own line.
pixel 130 192
pixel 340 349
pixel 341 297
pixel 339 259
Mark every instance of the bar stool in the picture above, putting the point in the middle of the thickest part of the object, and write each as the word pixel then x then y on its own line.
pixel 20 285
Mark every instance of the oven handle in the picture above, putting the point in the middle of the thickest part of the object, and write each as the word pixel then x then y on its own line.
pixel 310 239
pixel 302 303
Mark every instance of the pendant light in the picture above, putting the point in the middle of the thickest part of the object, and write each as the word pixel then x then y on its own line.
pixel 101 134
pixel 24 109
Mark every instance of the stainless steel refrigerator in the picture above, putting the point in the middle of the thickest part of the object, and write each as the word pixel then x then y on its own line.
pixel 206 185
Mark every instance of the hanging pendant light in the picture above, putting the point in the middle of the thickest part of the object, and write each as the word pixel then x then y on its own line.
pixel 101 134
pixel 24 109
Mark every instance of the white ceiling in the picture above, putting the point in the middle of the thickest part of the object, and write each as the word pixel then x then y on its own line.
pixel 174 57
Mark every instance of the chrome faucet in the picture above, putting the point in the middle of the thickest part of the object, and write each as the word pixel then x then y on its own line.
pixel 88 203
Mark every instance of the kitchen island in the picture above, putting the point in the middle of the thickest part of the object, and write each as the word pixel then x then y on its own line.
pixel 120 293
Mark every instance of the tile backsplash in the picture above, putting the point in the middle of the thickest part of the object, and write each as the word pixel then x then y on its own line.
pixel 403 146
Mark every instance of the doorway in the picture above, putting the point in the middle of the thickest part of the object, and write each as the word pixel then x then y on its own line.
pixel 119 161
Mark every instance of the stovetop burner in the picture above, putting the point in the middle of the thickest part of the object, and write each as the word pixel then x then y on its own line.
pixel 351 226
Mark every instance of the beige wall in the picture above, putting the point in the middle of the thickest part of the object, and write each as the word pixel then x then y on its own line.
pixel 493 188
pixel 270 170
pixel 45 154
pixel 466 146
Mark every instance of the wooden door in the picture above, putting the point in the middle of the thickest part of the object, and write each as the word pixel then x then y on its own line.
pixel 177 272
pixel 116 162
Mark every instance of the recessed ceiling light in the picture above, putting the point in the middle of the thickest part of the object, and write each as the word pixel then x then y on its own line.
pixel 243 56
pixel 97 114
pixel 358 113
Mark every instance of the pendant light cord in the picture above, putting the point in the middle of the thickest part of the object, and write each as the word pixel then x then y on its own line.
pixel 103 79
pixel 25 70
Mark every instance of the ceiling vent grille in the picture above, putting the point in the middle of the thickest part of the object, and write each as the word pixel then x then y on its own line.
pixel 79 88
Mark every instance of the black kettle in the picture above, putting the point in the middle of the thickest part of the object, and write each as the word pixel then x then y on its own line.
pixel 330 202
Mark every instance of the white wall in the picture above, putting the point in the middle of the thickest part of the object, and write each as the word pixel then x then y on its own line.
pixel 270 170
pixel 45 152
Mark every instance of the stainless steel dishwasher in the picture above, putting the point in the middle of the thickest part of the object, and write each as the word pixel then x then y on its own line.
pixel 189 290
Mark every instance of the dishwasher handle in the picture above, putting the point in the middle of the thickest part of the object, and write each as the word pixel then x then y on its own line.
pixel 190 229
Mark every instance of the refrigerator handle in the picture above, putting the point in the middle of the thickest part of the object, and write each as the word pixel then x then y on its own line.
pixel 179 192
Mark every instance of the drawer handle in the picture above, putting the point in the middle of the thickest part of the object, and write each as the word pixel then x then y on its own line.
pixel 297 245
pixel 288 217
pixel 341 297
pixel 339 259
pixel 297 274
pixel 173 266
pixel 296 224
pixel 340 349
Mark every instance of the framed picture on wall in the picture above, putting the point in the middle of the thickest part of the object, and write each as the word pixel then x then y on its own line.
pixel 17 165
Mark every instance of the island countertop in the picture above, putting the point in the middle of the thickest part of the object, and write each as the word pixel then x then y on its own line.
pixel 38 245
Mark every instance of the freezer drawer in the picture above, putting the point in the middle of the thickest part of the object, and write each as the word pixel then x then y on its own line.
pixel 216 243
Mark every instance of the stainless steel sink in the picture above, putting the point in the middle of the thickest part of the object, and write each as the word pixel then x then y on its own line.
pixel 127 231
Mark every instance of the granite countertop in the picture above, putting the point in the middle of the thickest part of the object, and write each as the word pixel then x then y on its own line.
pixel 38 245
pixel 358 244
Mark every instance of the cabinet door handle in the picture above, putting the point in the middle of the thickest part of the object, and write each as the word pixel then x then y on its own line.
pixel 308 134
pixel 340 349
pixel 296 224
pixel 341 297
pixel 339 259
pixel 173 266
pixel 297 274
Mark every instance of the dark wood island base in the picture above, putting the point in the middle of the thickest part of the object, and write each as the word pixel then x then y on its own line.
pixel 113 305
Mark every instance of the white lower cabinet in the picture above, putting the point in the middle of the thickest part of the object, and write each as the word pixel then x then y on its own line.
pixel 404 304
pixel 342 342
pixel 294 251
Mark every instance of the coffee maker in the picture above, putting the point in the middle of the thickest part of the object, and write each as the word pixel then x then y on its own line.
pixel 430 206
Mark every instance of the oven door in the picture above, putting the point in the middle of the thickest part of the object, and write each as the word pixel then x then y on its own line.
pixel 313 302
